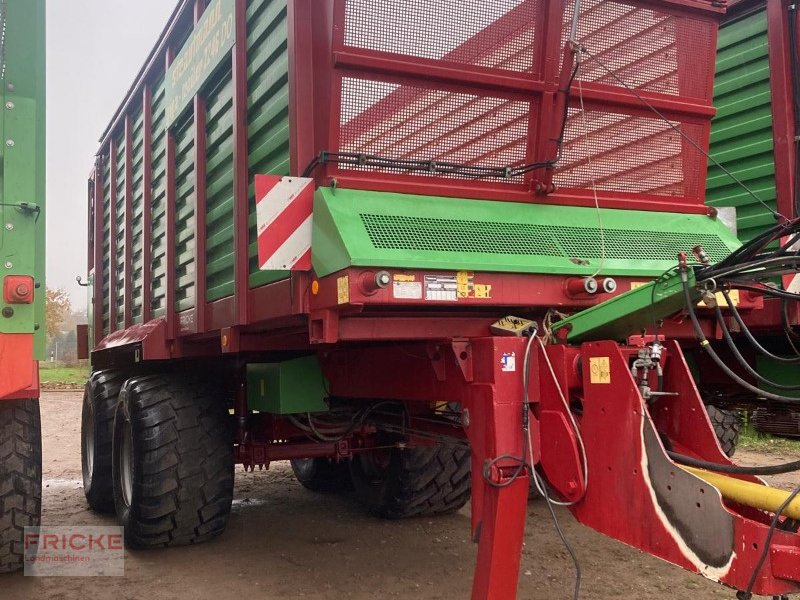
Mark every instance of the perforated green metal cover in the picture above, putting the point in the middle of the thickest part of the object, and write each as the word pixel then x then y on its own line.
pixel 359 228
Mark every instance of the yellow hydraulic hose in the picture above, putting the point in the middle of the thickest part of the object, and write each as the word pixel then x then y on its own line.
pixel 748 493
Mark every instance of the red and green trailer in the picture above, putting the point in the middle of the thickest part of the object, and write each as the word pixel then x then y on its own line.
pixel 22 260
pixel 432 251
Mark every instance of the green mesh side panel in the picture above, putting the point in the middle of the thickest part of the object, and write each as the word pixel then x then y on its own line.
pixel 455 235
pixel 357 228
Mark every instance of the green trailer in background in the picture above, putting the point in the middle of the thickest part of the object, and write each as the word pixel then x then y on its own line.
pixel 754 136
pixel 22 258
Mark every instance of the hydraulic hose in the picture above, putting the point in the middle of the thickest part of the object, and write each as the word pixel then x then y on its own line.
pixel 751 338
pixel 688 461
pixel 741 359
pixel 706 345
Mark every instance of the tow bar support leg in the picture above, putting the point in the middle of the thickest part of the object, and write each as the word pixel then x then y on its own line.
pixel 499 478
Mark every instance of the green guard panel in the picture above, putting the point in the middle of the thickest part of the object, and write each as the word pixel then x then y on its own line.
pixel 22 174
pixel 373 229
pixel 290 387
pixel 741 133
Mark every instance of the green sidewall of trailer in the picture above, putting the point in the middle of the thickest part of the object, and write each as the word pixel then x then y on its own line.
pixel 22 179
pixel 741 133
pixel 268 152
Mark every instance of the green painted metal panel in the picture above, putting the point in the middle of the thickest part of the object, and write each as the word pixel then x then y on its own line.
pixel 289 387
pixel 779 373
pixel 741 135
pixel 219 188
pixel 206 48
pixel 106 243
pixel 184 276
pixel 159 201
pixel 22 231
pixel 137 242
pixel 360 228
pixel 268 109
pixel 119 236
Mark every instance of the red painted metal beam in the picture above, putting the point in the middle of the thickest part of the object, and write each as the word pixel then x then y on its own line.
pixel 241 178
pixel 783 117
pixel 128 224
pixel 147 201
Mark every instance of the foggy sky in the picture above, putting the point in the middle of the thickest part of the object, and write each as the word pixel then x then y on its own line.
pixel 94 50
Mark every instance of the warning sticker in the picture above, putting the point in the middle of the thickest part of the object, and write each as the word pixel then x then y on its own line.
pixel 600 369
pixel 508 362
pixel 402 277
pixel 407 290
pixel 441 287
pixel 343 290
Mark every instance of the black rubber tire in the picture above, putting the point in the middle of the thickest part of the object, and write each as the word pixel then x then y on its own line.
pixel 97 425
pixel 20 477
pixel 413 482
pixel 322 474
pixel 180 463
pixel 726 425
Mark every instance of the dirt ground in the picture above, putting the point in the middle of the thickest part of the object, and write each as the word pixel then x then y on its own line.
pixel 286 542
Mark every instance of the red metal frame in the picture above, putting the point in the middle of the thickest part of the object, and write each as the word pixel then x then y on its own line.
pixel 241 229
pixel 309 118
pixel 783 117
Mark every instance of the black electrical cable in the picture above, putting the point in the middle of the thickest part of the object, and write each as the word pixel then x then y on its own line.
pixel 689 461
pixel 564 540
pixel 709 273
pixel 766 290
pixel 748 593
pixel 706 345
pixel 726 334
pixel 751 338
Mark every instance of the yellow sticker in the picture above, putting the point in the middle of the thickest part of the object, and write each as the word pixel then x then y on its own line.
pixel 483 291
pixel 406 278
pixel 734 294
pixel 600 369
pixel 343 289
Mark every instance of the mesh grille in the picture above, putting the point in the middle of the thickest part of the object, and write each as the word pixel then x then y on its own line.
pixel 410 122
pixel 644 47
pixel 498 34
pixel 627 153
pixel 391 232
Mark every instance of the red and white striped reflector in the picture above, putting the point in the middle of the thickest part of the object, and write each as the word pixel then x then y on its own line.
pixel 791 283
pixel 284 206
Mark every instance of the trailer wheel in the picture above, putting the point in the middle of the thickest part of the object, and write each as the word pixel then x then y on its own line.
pixel 97 425
pixel 322 474
pixel 412 482
pixel 727 426
pixel 172 461
pixel 20 477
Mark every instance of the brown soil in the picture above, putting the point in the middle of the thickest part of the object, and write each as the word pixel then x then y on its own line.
pixel 286 542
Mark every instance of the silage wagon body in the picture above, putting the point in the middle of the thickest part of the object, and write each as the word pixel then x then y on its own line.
pixel 331 231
